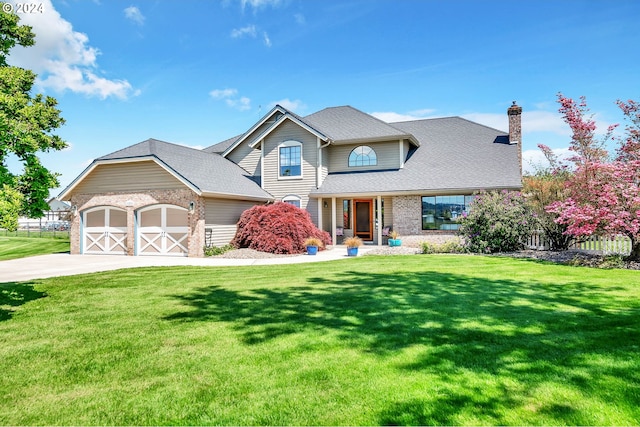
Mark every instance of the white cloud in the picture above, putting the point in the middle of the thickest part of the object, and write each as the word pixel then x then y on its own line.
pixel 241 104
pixel 249 30
pixel 195 147
pixel 259 4
pixel 296 106
pixel 230 98
pixel 532 159
pixel 133 14
pixel 532 121
pixel 223 93
pixel 63 58
pixel 391 117
pixel 252 32
pixel 267 40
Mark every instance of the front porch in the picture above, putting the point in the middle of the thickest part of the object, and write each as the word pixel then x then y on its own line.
pixel 369 218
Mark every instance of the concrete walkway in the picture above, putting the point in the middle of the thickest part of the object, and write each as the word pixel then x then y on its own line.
pixel 43 266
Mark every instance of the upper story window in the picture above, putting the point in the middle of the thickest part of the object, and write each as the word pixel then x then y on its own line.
pixel 290 159
pixel 363 156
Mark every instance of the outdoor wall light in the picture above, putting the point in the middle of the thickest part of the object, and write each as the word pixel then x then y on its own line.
pixel 192 206
pixel 326 205
pixel 74 210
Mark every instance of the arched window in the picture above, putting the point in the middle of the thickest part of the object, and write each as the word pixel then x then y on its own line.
pixel 290 159
pixel 292 199
pixel 363 156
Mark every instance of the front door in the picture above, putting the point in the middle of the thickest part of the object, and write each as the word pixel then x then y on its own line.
pixel 364 219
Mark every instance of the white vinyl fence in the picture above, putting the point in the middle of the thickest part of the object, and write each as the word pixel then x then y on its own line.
pixel 596 244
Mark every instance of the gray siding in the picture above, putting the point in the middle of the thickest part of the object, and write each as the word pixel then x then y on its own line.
pixel 246 157
pixel 221 217
pixel 324 166
pixel 279 188
pixel 388 154
pixel 131 176
pixel 388 211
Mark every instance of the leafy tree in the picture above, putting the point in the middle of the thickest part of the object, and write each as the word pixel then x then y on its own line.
pixel 604 192
pixel 546 186
pixel 279 228
pixel 10 203
pixel 26 123
pixel 498 221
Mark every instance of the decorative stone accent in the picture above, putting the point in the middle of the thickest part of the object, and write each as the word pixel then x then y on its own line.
pixel 132 202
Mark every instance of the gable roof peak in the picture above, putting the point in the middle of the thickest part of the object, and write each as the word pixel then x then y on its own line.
pixel 346 124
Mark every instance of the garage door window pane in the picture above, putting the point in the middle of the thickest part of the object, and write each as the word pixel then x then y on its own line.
pixel 176 217
pixel 95 219
pixel 151 218
pixel 117 218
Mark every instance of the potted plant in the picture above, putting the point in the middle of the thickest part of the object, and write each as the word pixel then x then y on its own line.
pixel 312 244
pixel 393 239
pixel 353 243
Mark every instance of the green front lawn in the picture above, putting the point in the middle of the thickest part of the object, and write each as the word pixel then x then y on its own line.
pixel 464 340
pixel 20 247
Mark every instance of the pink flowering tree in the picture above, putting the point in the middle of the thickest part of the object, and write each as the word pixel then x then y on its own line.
pixel 604 191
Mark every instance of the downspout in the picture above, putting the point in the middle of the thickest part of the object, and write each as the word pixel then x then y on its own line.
pixel 262 164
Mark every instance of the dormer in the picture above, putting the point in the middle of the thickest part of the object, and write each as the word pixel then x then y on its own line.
pixel 361 142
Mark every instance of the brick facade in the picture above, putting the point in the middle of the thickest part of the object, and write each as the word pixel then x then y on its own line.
pixel 407 219
pixel 407 215
pixel 132 202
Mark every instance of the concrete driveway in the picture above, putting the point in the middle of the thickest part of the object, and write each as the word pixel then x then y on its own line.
pixel 43 266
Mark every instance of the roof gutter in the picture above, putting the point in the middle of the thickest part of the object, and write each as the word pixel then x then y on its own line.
pixel 418 192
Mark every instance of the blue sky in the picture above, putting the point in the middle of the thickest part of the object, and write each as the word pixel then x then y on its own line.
pixel 198 72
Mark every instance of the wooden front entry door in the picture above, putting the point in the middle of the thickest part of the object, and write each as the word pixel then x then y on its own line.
pixel 364 219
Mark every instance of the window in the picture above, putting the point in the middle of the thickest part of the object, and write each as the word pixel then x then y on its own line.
pixel 443 212
pixel 346 214
pixel 292 200
pixel 363 156
pixel 290 159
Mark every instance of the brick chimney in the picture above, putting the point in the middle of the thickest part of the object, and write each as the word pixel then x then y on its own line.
pixel 515 129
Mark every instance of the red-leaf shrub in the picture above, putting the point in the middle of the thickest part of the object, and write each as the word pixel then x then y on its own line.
pixel 280 228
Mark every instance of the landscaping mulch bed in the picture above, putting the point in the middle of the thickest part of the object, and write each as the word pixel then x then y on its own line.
pixel 578 258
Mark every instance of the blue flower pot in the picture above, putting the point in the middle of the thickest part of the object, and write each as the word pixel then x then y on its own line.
pixel 395 242
pixel 312 250
pixel 352 251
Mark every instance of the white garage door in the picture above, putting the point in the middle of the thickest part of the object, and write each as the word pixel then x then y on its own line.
pixel 162 230
pixel 104 231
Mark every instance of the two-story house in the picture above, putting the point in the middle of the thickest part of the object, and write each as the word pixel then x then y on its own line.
pixel 355 175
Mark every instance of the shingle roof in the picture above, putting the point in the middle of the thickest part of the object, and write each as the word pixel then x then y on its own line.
pixel 208 172
pixel 221 147
pixel 343 124
pixel 454 154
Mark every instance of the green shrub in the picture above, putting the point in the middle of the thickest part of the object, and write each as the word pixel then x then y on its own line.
pixel 613 261
pixel 604 262
pixel 450 247
pixel 498 221
pixel 217 250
